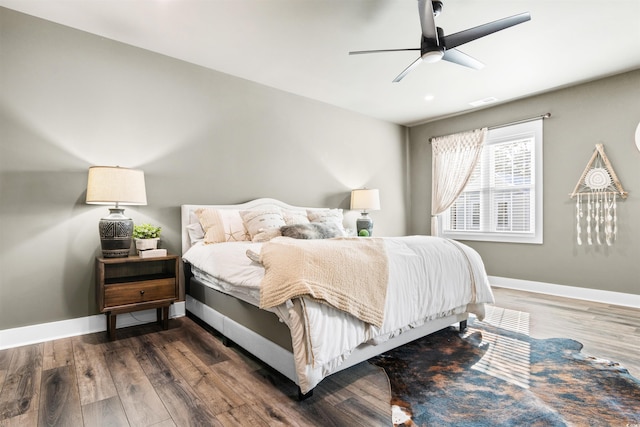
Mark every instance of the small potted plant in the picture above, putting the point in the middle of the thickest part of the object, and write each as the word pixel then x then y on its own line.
pixel 146 236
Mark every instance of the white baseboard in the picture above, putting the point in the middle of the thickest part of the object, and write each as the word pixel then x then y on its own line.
pixel 597 295
pixel 84 325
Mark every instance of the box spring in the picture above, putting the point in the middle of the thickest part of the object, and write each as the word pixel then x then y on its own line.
pixel 262 322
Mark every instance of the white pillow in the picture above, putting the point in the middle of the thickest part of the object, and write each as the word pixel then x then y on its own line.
pixel 327 216
pixel 293 217
pixel 258 221
pixel 222 225
pixel 196 233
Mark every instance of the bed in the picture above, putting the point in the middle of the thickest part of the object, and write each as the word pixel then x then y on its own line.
pixel 235 257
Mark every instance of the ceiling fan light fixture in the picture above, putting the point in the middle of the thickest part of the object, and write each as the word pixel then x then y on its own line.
pixel 432 56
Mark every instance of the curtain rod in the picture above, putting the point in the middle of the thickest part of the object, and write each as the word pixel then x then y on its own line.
pixel 517 122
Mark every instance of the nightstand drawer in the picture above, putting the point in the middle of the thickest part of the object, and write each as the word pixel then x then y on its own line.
pixel 139 292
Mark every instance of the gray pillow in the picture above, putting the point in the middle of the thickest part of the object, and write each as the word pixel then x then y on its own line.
pixel 311 231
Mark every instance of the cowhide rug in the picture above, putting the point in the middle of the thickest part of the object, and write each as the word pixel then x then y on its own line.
pixel 494 374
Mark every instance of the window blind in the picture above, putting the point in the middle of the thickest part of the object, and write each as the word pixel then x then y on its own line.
pixel 502 197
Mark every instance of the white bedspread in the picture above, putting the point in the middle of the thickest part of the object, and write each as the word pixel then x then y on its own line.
pixel 429 277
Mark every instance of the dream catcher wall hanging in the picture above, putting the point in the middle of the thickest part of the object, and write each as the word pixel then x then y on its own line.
pixel 596 196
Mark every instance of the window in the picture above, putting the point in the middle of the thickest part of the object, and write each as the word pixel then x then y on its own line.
pixel 502 201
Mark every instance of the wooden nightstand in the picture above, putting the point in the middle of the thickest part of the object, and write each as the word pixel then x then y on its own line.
pixel 130 284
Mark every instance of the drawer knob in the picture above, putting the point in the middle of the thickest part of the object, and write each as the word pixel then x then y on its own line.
pixel 141 292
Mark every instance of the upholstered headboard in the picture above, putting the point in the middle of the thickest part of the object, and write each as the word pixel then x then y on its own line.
pixel 188 215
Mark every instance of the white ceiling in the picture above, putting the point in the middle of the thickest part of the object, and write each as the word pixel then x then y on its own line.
pixel 301 46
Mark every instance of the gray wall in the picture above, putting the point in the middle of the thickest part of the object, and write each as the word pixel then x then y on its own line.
pixel 70 100
pixel 605 111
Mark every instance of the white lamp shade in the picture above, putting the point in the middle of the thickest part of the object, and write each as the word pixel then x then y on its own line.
pixel 109 184
pixel 365 199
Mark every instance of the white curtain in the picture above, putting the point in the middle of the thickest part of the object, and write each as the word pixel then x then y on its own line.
pixel 453 159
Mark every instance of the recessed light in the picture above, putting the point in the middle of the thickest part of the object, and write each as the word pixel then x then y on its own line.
pixel 429 97
pixel 484 101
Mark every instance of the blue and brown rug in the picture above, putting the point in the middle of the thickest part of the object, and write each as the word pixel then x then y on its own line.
pixel 495 374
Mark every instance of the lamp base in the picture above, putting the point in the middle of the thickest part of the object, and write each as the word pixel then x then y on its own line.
pixel 364 223
pixel 115 234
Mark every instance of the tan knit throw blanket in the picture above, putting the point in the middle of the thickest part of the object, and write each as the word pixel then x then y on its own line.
pixel 350 274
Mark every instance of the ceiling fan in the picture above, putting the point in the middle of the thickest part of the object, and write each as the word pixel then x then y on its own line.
pixel 434 45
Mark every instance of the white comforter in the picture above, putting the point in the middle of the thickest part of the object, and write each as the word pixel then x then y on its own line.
pixel 429 277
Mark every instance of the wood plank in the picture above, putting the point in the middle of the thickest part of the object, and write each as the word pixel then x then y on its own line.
pixel 57 353
pixel 104 413
pixel 251 385
pixel 184 405
pixel 241 416
pixel 5 359
pixel 266 389
pixel 370 383
pixel 277 414
pixel 59 400
pixel 272 396
pixel 92 373
pixel 167 423
pixel 338 406
pixel 3 374
pixel 28 419
pixel 22 383
pixel 209 351
pixel 321 412
pixel 139 399
pixel 357 411
pixel 218 394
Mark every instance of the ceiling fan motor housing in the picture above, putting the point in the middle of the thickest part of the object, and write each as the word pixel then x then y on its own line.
pixel 428 45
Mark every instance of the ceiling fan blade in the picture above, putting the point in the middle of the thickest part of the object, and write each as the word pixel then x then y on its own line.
pixel 362 52
pixel 457 57
pixel 462 37
pixel 427 21
pixel 406 71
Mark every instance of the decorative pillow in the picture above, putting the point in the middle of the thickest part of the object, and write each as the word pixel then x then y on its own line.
pixel 292 217
pixel 196 233
pixel 327 216
pixel 311 231
pixel 259 221
pixel 222 225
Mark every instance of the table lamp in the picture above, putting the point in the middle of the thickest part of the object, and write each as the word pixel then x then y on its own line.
pixel 365 199
pixel 108 185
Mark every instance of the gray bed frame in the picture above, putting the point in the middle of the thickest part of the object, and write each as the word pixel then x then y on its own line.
pixel 260 332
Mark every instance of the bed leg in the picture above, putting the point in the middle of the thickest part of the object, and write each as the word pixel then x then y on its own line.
pixel 186 270
pixel 463 325
pixel 226 341
pixel 302 396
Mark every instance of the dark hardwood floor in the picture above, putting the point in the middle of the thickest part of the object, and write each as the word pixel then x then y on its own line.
pixel 185 376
